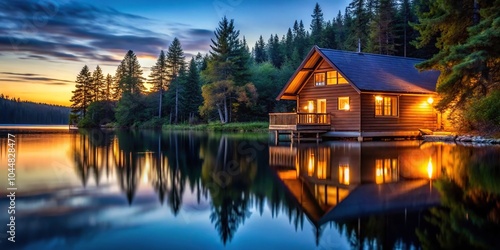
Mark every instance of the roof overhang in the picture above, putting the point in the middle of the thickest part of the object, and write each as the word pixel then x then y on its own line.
pixel 303 73
pixel 294 84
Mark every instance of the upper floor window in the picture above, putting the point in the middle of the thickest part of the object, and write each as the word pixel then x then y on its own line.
pixel 334 77
pixel 386 106
pixel 319 79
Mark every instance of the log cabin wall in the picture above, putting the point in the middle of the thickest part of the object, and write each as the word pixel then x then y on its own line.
pixel 414 112
pixel 341 120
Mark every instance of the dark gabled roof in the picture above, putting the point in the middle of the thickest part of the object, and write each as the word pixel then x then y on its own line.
pixel 373 72
pixel 366 72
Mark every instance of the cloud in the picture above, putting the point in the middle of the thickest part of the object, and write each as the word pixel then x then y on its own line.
pixel 73 31
pixel 31 78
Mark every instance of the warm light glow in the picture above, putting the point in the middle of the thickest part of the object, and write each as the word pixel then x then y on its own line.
pixel 347 106
pixel 145 177
pixel 378 98
pixel 429 168
pixel 305 107
pixel 321 172
pixel 430 100
pixel 310 165
pixel 344 174
pixel 310 106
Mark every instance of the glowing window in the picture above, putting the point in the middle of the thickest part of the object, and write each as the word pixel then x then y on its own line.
pixel 319 79
pixel 334 77
pixel 386 106
pixel 343 103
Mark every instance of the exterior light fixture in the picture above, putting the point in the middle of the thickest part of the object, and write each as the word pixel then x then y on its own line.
pixel 430 100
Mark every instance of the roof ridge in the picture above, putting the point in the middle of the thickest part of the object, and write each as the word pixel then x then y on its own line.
pixel 372 54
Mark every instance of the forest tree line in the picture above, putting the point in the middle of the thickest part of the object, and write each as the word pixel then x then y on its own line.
pixel 15 111
pixel 233 83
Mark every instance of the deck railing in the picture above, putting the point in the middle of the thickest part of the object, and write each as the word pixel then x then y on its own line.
pixel 298 118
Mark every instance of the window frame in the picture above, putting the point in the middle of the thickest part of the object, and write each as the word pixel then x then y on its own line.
pixel 340 107
pixel 319 83
pixel 336 78
pixel 381 108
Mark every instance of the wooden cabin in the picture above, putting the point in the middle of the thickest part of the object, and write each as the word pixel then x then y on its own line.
pixel 350 94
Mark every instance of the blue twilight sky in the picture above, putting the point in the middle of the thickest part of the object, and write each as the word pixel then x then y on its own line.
pixel 45 43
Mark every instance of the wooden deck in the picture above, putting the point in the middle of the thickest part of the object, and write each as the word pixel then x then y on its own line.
pixel 300 125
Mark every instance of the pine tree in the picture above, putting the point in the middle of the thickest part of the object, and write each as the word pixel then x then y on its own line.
pixel 108 90
pixel 98 84
pixel 128 76
pixel 288 47
pixel 468 49
pixel 160 78
pixel 300 43
pixel 359 27
pixel 82 95
pixel 329 40
pixel 274 48
pixel 192 93
pixel 340 30
pixel 175 63
pixel 317 26
pixel 228 66
pixel 260 51
pixel 224 51
pixel 383 33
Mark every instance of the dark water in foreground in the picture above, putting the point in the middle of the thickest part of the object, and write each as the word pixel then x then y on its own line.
pixel 162 190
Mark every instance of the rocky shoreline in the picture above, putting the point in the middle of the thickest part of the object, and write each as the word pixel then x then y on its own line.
pixel 463 139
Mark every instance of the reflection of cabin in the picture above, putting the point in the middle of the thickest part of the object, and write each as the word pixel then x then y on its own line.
pixel 351 179
pixel 348 94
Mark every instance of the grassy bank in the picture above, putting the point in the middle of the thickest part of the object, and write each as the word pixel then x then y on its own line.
pixel 230 127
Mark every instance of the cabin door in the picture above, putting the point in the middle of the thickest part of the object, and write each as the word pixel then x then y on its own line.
pixel 321 106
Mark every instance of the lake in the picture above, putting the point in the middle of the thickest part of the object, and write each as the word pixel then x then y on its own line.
pixel 146 189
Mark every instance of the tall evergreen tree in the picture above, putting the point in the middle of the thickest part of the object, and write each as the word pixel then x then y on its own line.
pixel 329 40
pixel 82 95
pixel 275 52
pixel 176 64
pixel 317 26
pixel 192 93
pixel 108 90
pixel 160 78
pixel 359 27
pixel 227 69
pixel 98 84
pixel 301 45
pixel 383 30
pixel 341 22
pixel 128 77
pixel 288 46
pixel 260 51
pixel 224 51
pixel 468 56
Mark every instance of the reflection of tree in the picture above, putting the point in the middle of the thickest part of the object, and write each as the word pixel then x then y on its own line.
pixel 90 153
pixel 128 164
pixel 470 214
pixel 228 176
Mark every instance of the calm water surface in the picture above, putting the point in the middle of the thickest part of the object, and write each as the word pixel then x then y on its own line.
pixel 186 190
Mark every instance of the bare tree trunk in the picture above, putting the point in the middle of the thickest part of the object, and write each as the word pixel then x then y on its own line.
pixel 221 117
pixel 225 111
pixel 159 106
pixel 176 103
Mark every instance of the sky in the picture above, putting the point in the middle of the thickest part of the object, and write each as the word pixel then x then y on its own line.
pixel 45 43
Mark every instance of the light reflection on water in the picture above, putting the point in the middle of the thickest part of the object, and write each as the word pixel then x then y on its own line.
pixel 131 189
